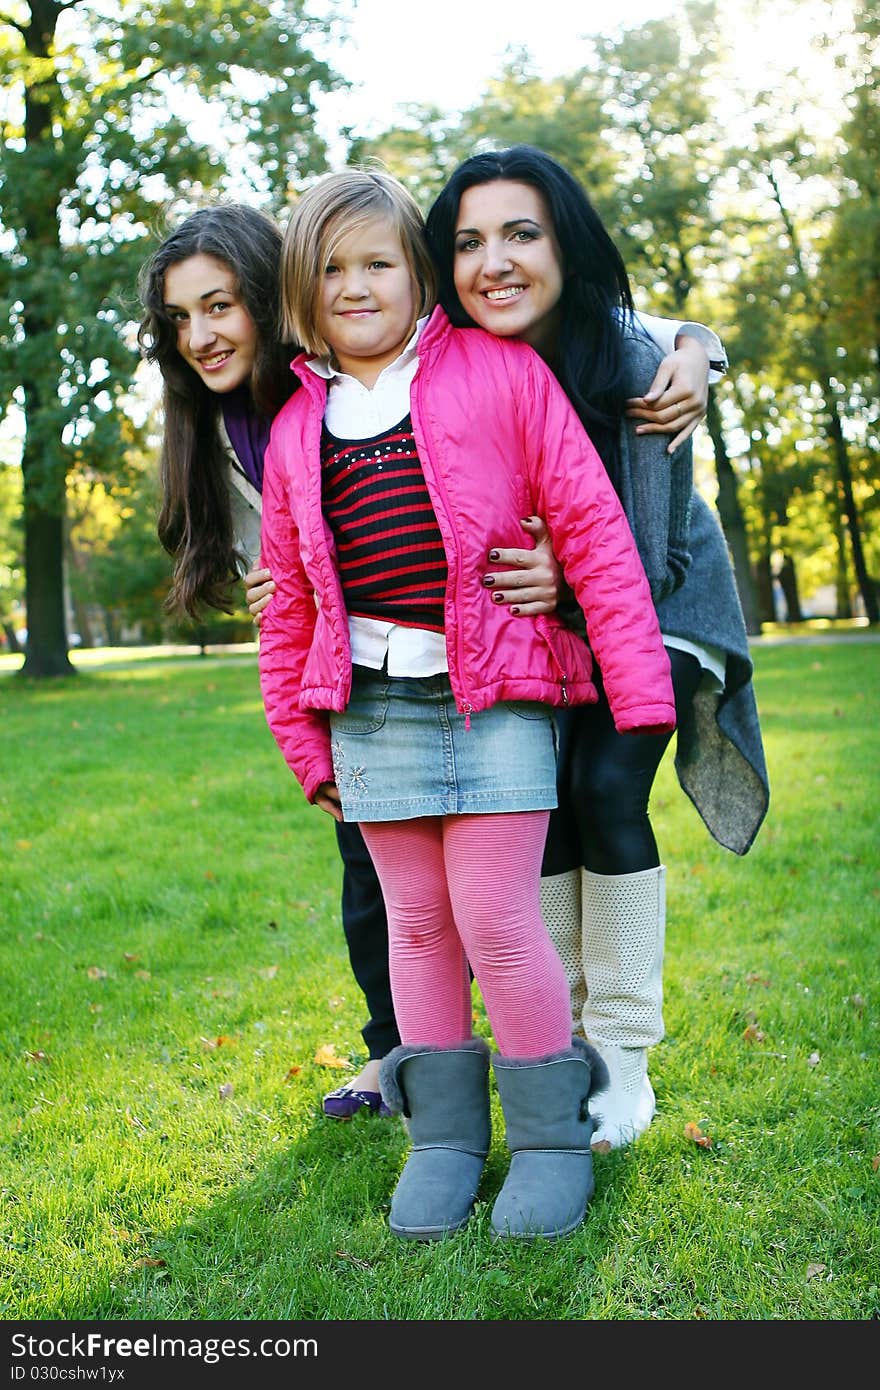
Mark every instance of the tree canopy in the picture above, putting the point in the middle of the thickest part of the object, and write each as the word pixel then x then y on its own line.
pixel 754 207
pixel 111 113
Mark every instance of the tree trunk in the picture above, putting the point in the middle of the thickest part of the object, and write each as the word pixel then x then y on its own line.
pixel 11 639
pixel 764 588
pixel 822 361
pixel 787 577
pixel 842 590
pixel 43 466
pixel 732 521
pixel 46 650
pixel 867 588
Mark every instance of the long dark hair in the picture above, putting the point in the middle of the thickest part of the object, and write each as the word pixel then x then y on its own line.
pixel 596 298
pixel 195 521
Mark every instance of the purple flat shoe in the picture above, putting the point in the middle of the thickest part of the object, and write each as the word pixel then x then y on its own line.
pixel 345 1101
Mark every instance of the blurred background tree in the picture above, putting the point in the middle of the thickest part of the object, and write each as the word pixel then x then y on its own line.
pixel 110 113
pixel 727 211
pixel 743 192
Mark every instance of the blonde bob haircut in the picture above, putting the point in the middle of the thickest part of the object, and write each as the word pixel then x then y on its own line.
pixel 334 208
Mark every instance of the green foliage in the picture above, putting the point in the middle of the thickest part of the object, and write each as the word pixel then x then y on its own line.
pixel 109 117
pixel 752 207
pixel 729 209
pixel 172 932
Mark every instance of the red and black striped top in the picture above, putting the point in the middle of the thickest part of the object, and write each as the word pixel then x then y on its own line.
pixel 389 549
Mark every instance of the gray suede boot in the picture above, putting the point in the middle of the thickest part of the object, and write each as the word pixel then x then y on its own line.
pixel 443 1095
pixel 549 1128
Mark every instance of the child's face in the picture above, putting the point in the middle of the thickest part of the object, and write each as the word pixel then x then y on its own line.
pixel 367 307
pixel 215 333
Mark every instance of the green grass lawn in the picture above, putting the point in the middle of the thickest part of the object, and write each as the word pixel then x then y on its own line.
pixel 172 962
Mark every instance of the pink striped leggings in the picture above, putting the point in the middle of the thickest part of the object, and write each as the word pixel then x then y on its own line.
pixel 467 888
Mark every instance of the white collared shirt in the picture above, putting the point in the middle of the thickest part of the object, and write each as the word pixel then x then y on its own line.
pixel 355 411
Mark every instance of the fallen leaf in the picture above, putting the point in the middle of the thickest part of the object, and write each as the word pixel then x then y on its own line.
pixel 142 975
pixel 856 1001
pixel 753 1034
pixel 753 979
pixel 292 1072
pixel 95 972
pixel 148 1264
pixel 226 1090
pixel 875 1163
pixel 133 1120
pixel 814 1271
pixel 693 1131
pixel 326 1057
pixel 129 957
pixel 814 1059
pixel 36 1056
pixel 361 1264
pixel 211 1043
pixel 268 972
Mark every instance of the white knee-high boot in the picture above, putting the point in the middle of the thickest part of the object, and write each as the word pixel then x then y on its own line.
pixel 624 923
pixel 562 913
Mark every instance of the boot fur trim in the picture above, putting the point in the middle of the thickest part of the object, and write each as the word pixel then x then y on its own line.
pixel 392 1093
pixel 579 1051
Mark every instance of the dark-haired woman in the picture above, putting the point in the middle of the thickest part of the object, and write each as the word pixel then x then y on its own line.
pixel 522 252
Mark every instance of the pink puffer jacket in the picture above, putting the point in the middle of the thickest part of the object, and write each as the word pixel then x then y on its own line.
pixel 497 440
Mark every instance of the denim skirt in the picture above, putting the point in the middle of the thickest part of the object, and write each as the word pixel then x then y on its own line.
pixel 401 750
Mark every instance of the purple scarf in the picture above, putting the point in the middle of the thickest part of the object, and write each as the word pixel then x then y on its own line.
pixel 248 434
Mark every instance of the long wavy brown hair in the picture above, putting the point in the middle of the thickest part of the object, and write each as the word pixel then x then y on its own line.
pixel 195 522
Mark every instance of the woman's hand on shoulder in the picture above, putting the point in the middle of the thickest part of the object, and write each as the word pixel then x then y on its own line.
pixel 528 581
pixel 678 396
pixel 259 588
pixel 327 797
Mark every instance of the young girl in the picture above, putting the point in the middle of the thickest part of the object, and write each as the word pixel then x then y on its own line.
pixel 404 702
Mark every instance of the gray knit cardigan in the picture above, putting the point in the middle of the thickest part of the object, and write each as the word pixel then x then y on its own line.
pixel 719 757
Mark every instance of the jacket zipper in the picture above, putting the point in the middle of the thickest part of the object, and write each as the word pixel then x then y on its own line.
pixel 465 708
pixel 563 674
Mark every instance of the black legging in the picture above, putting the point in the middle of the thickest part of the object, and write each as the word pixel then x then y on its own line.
pixel 604 782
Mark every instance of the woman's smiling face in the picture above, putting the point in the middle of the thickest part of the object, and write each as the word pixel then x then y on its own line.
pixel 215 333
pixel 507 263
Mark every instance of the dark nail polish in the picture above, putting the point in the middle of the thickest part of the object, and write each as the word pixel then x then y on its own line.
pixel 514 610
pixel 497 598
pixel 493 554
pixel 489 580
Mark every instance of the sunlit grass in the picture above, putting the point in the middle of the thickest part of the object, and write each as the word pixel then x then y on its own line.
pixel 172 960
